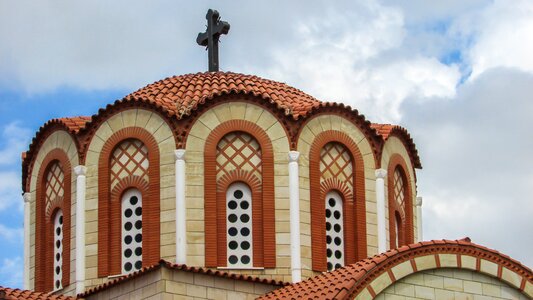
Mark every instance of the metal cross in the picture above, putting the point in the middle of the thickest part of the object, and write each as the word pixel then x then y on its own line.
pixel 210 37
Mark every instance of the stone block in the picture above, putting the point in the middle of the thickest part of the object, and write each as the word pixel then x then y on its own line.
pixel 424 292
pixel 381 283
pixel 402 270
pixel 489 267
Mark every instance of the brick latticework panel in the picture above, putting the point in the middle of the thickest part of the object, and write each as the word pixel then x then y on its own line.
pixel 130 158
pixel 400 202
pixel 53 194
pixel 238 151
pixel 336 164
pixel 235 151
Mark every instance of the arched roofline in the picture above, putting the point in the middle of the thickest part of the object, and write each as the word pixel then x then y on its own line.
pixel 370 276
pixel 387 130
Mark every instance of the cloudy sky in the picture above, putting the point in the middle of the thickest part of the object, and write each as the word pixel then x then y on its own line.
pixel 458 74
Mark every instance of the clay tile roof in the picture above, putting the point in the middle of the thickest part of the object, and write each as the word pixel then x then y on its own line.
pixel 388 130
pixel 343 283
pixel 7 293
pixel 74 124
pixel 179 95
pixel 185 268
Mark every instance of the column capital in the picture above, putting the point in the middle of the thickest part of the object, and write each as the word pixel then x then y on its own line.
pixel 80 170
pixel 381 173
pixel 418 201
pixel 179 154
pixel 294 156
pixel 27 197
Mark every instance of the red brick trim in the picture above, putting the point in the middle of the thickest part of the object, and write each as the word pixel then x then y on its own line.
pixel 262 203
pixel 109 227
pixel 354 205
pixel 406 234
pixel 44 224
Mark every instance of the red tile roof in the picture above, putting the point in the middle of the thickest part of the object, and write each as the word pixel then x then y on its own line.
pixel 388 130
pixel 346 282
pixel 74 124
pixel 182 94
pixel 185 268
pixel 7 293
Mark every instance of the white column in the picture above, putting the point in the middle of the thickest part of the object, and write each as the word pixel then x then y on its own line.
pixel 419 218
pixel 380 202
pixel 294 198
pixel 181 232
pixel 27 198
pixel 80 172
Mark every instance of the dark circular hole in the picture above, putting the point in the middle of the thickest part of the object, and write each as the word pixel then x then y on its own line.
pixel 58 269
pixel 328 226
pixel 128 212
pixel 232 231
pixel 127 267
pixel 138 264
pixel 245 204
pixel 138 251
pixel 328 239
pixel 58 244
pixel 332 202
pixel 328 213
pixel 233 245
pixel 58 284
pixel 329 253
pixel 128 239
pixel 139 224
pixel 233 259
pixel 58 256
pixel 139 237
pixel 338 241
pixel 245 245
pixel 337 214
pixel 337 228
pixel 337 266
pixel 245 259
pixel 127 253
pixel 128 226
pixel 61 220
pixel 58 230
pixel 232 218
pixel 139 211
pixel 238 194
pixel 134 200
pixel 245 218
pixel 245 231
pixel 338 254
pixel 330 266
pixel 232 204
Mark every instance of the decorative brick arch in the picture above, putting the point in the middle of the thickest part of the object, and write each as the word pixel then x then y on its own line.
pixel 44 224
pixel 354 203
pixel 109 209
pixel 406 234
pixel 263 229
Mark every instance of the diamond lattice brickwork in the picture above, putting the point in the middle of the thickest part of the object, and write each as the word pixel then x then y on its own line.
pixel 399 190
pixel 129 158
pixel 238 151
pixel 55 183
pixel 336 162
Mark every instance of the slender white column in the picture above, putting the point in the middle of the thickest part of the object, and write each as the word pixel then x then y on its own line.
pixel 27 198
pixel 294 198
pixel 380 202
pixel 181 232
pixel 80 172
pixel 419 218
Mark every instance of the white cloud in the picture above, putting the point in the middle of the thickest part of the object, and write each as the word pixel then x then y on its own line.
pixel 10 190
pixel 11 272
pixel 15 140
pixel 13 235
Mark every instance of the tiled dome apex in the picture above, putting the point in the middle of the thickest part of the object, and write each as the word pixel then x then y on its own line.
pixel 179 95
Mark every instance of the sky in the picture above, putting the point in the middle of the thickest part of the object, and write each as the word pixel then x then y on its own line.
pixel 457 74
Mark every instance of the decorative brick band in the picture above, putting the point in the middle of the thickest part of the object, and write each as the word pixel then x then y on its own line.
pixel 406 234
pixel 44 224
pixel 354 204
pixel 109 210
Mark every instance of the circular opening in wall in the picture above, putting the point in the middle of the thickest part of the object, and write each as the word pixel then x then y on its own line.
pixel 232 204
pixel 128 212
pixel 337 228
pixel 134 200
pixel 338 254
pixel 139 224
pixel 245 231
pixel 232 218
pixel 245 204
pixel 245 245
pixel 58 284
pixel 331 202
pixel 58 270
pixel 58 244
pixel 61 220
pixel 328 239
pixel 128 239
pixel 337 214
pixel 328 252
pixel 139 211
pixel 138 251
pixel 330 266
pixel 127 253
pixel 245 218
pixel 233 259
pixel 338 241
pixel 127 267
pixel 338 266
pixel 328 213
pixel 128 226
pixel 238 194
pixel 58 231
pixel 233 245
pixel 58 256
pixel 138 237
pixel 245 259
pixel 328 226
pixel 138 264
pixel 232 231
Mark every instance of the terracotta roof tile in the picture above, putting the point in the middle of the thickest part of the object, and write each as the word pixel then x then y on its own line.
pixel 185 268
pixel 75 123
pixel 7 293
pixel 387 130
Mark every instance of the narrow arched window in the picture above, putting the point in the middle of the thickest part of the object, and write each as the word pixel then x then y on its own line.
pixel 398 209
pixel 239 224
pixel 58 250
pixel 334 231
pixel 131 231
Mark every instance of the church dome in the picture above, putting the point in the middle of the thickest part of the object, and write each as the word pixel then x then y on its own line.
pixel 180 95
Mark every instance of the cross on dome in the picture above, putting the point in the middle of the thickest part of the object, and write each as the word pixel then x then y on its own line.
pixel 209 38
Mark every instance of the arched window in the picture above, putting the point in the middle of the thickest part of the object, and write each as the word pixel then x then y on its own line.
pixel 400 204
pixel 239 224
pixel 132 231
pixel 334 232
pixel 58 250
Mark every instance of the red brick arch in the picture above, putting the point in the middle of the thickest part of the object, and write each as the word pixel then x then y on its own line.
pixel 354 204
pixel 44 224
pixel 264 243
pixel 109 210
pixel 406 234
